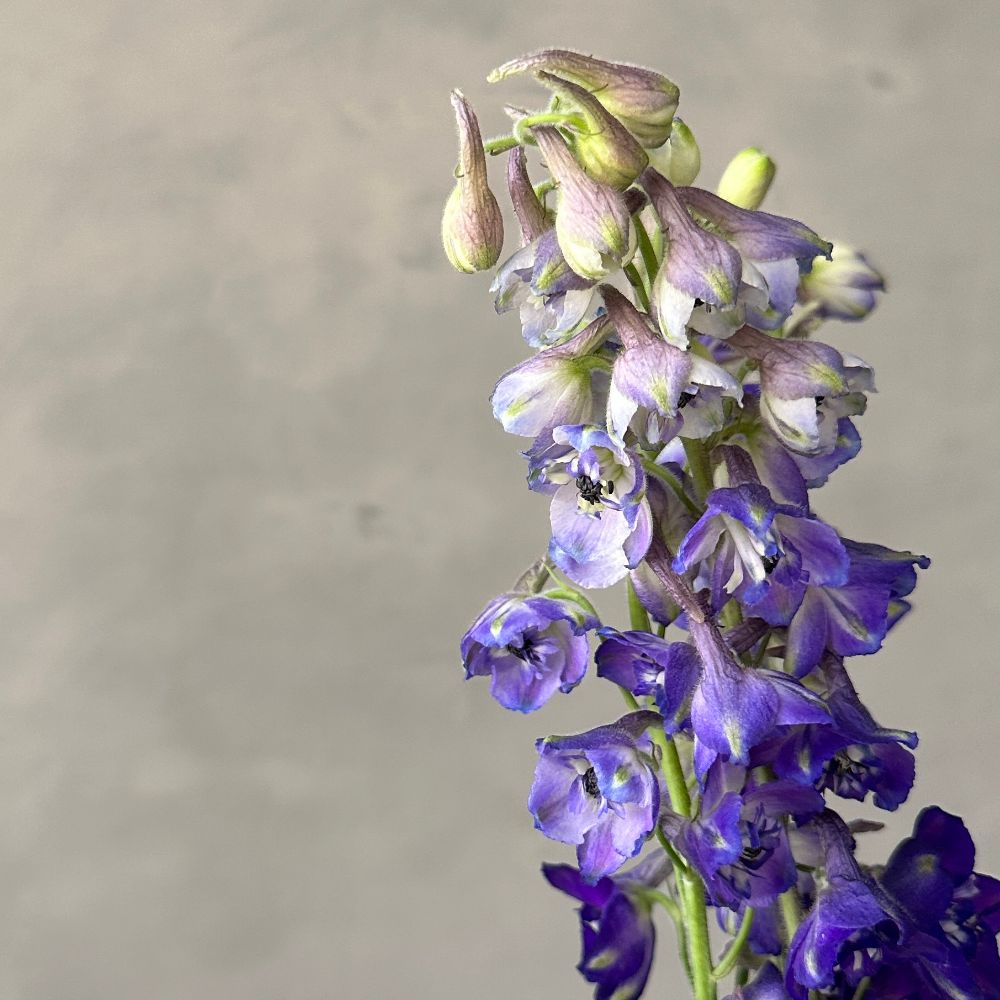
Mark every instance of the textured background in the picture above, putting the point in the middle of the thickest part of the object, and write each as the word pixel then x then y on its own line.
pixel 253 493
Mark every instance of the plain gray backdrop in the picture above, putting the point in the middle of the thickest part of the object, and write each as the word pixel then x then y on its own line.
pixel 253 493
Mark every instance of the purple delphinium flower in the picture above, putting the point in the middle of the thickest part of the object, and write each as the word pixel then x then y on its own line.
pixel 849 620
pixel 805 388
pixel 847 901
pixel 600 518
pixel 531 642
pixel 618 936
pixel 640 663
pixel 551 298
pixel 653 381
pixel 738 843
pixel 598 790
pixel 843 287
pixel 745 538
pixel 593 223
pixel 775 250
pixel 567 384
pixel 956 912
pixel 698 266
pixel 853 755
pixel 732 707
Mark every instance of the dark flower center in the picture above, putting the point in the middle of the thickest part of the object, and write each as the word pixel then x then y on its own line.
pixel 590 783
pixel 769 563
pixel 684 399
pixel 526 651
pixel 592 490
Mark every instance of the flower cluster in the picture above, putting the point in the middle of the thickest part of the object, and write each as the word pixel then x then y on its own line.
pixel 678 415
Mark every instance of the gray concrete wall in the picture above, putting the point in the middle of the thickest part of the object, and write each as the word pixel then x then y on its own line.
pixel 252 492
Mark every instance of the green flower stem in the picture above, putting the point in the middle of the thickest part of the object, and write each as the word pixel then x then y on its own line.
pixel 791 912
pixel 730 614
pixel 735 948
pixel 690 887
pixel 629 699
pixel 862 988
pixel 494 147
pixel 635 280
pixel 698 464
pixel 699 944
pixel 673 771
pixel 637 615
pixel 677 917
pixel 649 260
pixel 666 476
pixel 523 126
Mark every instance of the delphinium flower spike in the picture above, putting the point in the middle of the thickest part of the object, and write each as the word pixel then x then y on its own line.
pixel 679 414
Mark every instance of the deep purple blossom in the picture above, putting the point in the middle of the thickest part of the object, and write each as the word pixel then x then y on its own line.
pixel 618 936
pixel 847 901
pixel 738 843
pixel 731 707
pixel 745 539
pixel 598 790
pixel 852 756
pixel 531 642
pixel 850 619
pixel 956 912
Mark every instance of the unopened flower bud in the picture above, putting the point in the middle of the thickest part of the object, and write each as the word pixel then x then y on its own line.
pixel 530 212
pixel 679 158
pixel 747 179
pixel 472 226
pixel 603 146
pixel 843 287
pixel 592 220
pixel 643 101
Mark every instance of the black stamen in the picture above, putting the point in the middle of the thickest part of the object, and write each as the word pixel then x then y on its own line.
pixel 590 783
pixel 751 853
pixel 769 563
pixel 525 652
pixel 684 399
pixel 590 490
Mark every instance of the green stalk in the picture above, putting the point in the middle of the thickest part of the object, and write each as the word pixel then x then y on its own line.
pixel 637 615
pixel 698 465
pixel 690 887
pixel 736 946
pixel 494 147
pixel 649 260
pixel 635 280
pixel 862 988
pixel 699 944
pixel 523 126
pixel 791 911
pixel 666 476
